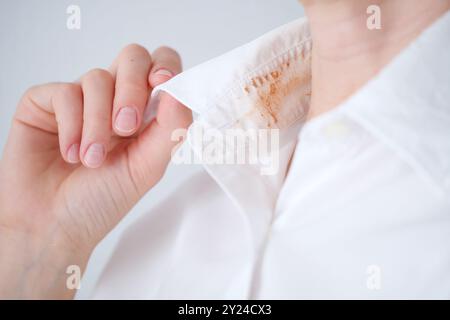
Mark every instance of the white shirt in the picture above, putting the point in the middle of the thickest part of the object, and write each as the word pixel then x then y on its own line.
pixel 362 212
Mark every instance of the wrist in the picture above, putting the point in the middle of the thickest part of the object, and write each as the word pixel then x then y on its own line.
pixel 35 267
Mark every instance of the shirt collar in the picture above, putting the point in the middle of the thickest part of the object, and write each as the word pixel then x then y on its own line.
pixel 266 84
pixel 407 106
pixel 263 84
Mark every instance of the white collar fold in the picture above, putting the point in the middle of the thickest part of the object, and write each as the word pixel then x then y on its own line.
pixel 266 84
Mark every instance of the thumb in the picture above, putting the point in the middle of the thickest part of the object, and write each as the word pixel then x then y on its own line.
pixel 150 154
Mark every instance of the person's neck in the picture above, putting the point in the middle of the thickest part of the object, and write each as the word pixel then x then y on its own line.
pixel 346 53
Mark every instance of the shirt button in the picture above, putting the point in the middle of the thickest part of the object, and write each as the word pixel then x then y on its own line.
pixel 336 130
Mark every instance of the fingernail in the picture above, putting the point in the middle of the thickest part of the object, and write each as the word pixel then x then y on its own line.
pixel 126 120
pixel 164 72
pixel 95 155
pixel 73 153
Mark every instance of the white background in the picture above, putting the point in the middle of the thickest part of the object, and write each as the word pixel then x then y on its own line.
pixel 36 47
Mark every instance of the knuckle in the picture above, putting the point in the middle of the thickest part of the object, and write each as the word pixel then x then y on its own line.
pixel 97 74
pixel 69 91
pixel 135 50
pixel 27 99
pixel 166 50
pixel 167 57
pixel 29 92
pixel 132 82
pixel 134 89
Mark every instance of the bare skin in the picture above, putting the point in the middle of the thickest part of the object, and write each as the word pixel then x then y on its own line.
pixel 59 197
pixel 346 54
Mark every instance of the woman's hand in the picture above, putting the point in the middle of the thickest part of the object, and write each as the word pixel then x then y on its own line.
pixel 76 161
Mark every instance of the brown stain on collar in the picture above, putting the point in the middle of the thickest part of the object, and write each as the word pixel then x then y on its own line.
pixel 271 90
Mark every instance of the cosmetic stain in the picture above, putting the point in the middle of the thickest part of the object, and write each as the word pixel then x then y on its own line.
pixel 274 88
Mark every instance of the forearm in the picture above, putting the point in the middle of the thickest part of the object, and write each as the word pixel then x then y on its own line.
pixel 35 268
